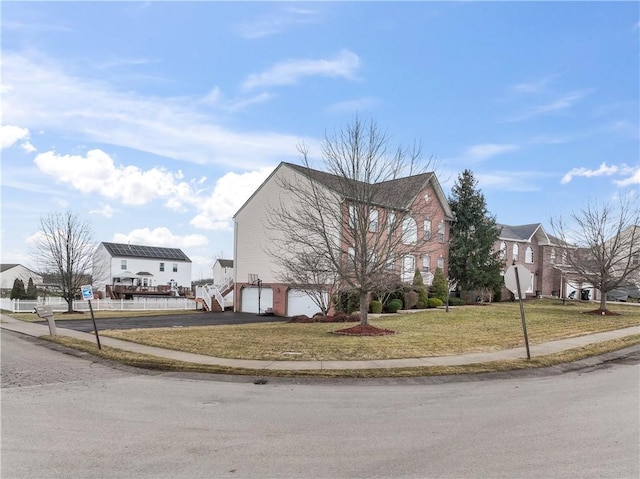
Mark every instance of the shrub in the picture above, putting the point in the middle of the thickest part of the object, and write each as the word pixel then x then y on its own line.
pixel 394 305
pixel 421 305
pixel 410 299
pixel 439 286
pixel 376 307
pixel 453 301
pixel 434 303
pixel 347 302
pixel 18 292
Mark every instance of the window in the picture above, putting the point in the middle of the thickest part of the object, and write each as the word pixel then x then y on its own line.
pixel 515 252
pixel 528 255
pixel 503 250
pixel 441 231
pixel 426 198
pixel 427 230
pixel 408 268
pixel 635 259
pixel 391 262
pixel 441 263
pixel 161 266
pixel 351 254
pixel 175 267
pixel 352 216
pixel 426 263
pixel 123 264
pixel 391 219
pixel 553 255
pixel 373 221
pixel 409 231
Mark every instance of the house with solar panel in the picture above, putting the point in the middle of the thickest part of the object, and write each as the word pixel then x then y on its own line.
pixel 125 271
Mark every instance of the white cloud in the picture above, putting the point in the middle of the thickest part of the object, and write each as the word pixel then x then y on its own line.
pixel 350 106
pixel 276 23
pixel 104 210
pixel 161 236
pixel 603 169
pixel 229 194
pixel 632 179
pixel 10 135
pixel 563 103
pixel 534 86
pixel 96 173
pixel 42 95
pixel 488 150
pixel 344 65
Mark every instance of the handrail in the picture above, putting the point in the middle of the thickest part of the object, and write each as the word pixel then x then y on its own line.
pixel 202 292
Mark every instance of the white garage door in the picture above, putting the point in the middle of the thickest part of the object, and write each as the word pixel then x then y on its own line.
pixel 299 302
pixel 250 299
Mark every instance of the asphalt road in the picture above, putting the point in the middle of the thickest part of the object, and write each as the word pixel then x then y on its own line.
pixel 166 321
pixel 73 417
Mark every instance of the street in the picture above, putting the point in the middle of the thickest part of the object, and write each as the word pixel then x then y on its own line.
pixel 75 417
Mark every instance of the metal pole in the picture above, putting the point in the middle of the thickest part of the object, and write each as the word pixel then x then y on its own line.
pixel 95 328
pixel 524 323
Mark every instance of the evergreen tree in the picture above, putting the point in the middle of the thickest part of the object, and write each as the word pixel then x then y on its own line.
pixel 473 263
pixel 32 292
pixel 18 292
pixel 421 289
pixel 439 287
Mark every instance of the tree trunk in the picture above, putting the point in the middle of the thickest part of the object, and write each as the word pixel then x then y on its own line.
pixel 364 307
pixel 603 301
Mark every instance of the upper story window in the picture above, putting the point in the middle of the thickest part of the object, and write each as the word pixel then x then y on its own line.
pixel 391 260
pixel 441 263
pixel 441 232
pixel 123 264
pixel 528 255
pixel 391 220
pixel 175 267
pixel 552 256
pixel 409 231
pixel 427 230
pixel 161 266
pixel 373 221
pixel 352 216
pixel 503 250
pixel 515 252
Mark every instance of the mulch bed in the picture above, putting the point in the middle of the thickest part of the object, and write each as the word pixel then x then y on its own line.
pixel 337 318
pixel 364 330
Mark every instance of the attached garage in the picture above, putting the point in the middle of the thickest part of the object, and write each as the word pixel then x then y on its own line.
pixel 250 296
pixel 299 302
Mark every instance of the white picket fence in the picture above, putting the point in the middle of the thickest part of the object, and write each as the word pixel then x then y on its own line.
pixel 136 304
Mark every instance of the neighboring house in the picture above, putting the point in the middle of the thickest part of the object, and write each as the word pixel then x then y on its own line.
pixel 10 272
pixel 122 271
pixel 257 288
pixel 222 271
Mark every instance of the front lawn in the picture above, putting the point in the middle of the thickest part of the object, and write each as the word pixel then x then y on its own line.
pixel 429 333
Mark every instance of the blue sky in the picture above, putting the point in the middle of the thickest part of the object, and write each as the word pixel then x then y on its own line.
pixel 155 121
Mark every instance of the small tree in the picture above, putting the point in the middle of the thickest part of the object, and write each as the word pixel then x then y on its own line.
pixel 603 245
pixel 18 292
pixel 473 263
pixel 439 287
pixel 420 288
pixel 32 292
pixel 64 249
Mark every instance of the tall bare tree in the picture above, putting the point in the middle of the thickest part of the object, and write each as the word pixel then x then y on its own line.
pixel 64 250
pixel 602 246
pixel 349 219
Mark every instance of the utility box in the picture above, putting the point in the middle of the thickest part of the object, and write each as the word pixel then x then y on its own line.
pixel 45 312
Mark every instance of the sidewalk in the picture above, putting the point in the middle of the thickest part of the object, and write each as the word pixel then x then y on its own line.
pixel 37 330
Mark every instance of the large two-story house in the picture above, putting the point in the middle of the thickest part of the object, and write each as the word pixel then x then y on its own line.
pixel 425 231
pixel 123 271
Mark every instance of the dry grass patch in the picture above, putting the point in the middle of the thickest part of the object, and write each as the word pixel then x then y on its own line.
pixel 163 364
pixel 432 333
pixel 102 314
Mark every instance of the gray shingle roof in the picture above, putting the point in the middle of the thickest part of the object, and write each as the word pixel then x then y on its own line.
pixel 518 232
pixel 226 263
pixel 149 252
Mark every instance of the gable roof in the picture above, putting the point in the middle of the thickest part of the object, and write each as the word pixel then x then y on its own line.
pixel 147 252
pixel 398 193
pixel 225 263
pixel 7 266
pixel 518 232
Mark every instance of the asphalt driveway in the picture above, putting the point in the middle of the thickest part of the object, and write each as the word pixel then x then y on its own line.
pixel 201 318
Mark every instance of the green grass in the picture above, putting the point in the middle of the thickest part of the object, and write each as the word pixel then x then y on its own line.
pixel 430 333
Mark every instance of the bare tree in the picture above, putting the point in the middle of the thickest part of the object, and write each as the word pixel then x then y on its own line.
pixel 310 274
pixel 603 246
pixel 64 250
pixel 350 218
